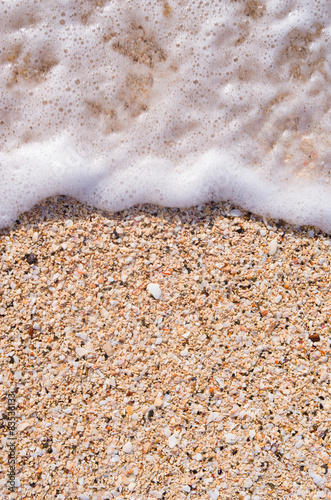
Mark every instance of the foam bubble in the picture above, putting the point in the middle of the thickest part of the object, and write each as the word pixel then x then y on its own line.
pixel 174 103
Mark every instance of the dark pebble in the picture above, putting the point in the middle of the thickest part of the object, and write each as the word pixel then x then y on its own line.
pixel 31 258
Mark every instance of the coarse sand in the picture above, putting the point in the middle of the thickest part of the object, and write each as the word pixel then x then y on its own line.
pixel 166 354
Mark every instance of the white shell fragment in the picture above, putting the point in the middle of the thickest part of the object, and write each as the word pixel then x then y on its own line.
pixel 23 426
pixel 213 494
pixel 81 351
pixel 318 480
pixel 214 416
pixel 248 483
pixel 172 441
pixel 154 290
pixel 167 432
pixel 184 353
pixel 231 438
pixel 156 493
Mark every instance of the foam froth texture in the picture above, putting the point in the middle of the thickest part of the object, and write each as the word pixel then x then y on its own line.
pixel 175 103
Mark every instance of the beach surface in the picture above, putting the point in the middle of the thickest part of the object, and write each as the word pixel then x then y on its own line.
pixel 161 353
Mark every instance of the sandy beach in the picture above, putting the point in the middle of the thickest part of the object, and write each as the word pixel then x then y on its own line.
pixel 219 388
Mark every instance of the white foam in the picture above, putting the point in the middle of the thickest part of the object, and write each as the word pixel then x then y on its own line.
pixel 174 103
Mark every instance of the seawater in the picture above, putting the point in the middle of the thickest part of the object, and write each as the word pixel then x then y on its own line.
pixel 171 102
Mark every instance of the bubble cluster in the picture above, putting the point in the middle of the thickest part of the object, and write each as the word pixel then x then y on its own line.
pixel 174 103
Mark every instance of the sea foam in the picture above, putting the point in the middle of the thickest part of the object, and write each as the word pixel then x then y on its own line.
pixel 169 102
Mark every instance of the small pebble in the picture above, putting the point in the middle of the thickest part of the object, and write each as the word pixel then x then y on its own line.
pixel 156 494
pixel 128 448
pixel 108 348
pixel 235 212
pixel 146 447
pixel 273 246
pixel 31 258
pixel 68 223
pixel 184 353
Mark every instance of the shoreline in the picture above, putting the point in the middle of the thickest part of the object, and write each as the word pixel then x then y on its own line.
pixel 219 389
